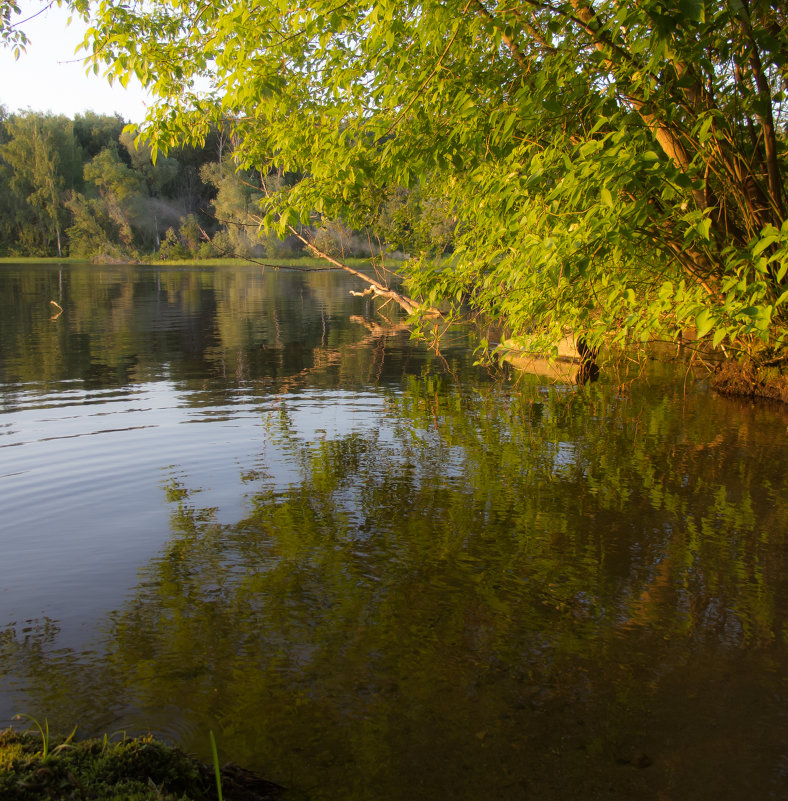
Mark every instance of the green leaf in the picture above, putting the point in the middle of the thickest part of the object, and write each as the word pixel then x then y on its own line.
pixel 703 132
pixel 509 124
pixel 703 323
pixel 763 243
pixel 606 197
pixel 597 125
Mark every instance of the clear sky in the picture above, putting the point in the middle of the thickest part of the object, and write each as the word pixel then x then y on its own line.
pixel 51 77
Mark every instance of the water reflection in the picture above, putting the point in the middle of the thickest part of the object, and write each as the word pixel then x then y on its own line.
pixel 123 325
pixel 449 589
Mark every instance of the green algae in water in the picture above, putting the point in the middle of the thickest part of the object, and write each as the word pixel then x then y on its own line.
pixel 131 769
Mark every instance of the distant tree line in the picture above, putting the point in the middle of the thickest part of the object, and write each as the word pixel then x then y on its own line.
pixel 82 187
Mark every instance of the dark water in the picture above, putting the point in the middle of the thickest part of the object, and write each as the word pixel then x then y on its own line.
pixel 245 502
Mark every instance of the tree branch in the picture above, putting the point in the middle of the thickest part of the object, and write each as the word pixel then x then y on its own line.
pixel 765 117
pixel 408 304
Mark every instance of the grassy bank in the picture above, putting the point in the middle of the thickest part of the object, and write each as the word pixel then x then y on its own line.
pixel 302 263
pixel 33 767
pixel 40 260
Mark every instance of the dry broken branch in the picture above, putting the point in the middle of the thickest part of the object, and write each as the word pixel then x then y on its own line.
pixel 375 287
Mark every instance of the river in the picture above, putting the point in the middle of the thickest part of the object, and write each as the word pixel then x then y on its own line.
pixel 243 501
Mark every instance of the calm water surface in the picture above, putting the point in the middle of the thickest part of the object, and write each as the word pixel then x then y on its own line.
pixel 244 501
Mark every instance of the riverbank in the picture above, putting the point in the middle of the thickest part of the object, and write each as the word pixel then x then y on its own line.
pixel 743 380
pixel 302 263
pixel 33 767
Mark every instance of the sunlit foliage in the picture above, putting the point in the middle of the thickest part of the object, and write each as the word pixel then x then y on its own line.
pixel 616 168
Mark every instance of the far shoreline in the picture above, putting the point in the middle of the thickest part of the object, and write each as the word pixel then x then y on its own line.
pixel 303 262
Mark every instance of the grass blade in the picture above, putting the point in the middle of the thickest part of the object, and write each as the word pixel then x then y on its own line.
pixel 216 770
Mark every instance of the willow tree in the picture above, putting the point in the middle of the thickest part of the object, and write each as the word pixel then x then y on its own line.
pixel 615 168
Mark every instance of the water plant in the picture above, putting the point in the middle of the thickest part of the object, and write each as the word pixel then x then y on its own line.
pixel 42 730
pixel 46 739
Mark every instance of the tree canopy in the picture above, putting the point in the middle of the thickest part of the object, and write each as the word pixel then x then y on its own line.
pixel 81 187
pixel 614 168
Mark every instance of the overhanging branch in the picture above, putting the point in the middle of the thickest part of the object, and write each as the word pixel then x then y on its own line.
pixel 375 287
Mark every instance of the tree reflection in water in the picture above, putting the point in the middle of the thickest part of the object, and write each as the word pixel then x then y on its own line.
pixel 496 593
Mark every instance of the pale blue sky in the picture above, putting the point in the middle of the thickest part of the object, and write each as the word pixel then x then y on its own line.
pixel 50 77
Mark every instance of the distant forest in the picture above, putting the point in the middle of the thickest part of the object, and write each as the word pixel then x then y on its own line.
pixel 80 187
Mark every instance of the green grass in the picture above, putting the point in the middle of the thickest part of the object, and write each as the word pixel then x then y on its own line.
pixel 35 765
pixel 302 262
pixel 40 260
pixel 216 768
pixel 312 262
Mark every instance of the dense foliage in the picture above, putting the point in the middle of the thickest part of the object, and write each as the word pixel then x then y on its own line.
pixel 83 188
pixel 615 168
